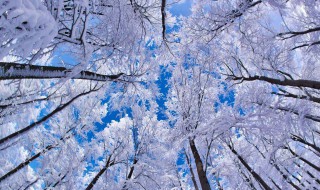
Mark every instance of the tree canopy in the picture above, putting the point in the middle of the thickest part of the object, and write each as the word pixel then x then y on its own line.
pixel 128 94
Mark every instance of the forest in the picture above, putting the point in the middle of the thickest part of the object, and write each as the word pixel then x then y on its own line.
pixel 160 94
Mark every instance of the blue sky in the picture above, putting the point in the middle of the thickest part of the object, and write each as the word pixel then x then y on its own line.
pixel 181 8
pixel 178 9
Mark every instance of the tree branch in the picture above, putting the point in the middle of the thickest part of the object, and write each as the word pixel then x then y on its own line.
pixel 9 71
pixel 43 119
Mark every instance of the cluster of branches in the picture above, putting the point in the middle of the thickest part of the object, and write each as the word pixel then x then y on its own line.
pixel 47 108
pixel 242 113
pixel 270 139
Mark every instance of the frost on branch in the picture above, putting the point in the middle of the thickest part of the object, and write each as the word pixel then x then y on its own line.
pixel 25 25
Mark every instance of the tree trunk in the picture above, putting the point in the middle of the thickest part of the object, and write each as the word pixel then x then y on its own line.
pixel 308 116
pixel 285 177
pixel 290 95
pixel 275 184
pixel 25 163
pixel 253 173
pixel 40 153
pixel 304 160
pixel 309 173
pixel 191 171
pixel 99 174
pixel 294 83
pixel 29 185
pixel 247 179
pixel 135 161
pixel 200 169
pixel 56 183
pixel 301 140
pixel 31 126
pixel 22 71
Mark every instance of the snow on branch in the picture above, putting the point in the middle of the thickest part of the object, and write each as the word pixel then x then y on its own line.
pixel 25 25
pixel 10 71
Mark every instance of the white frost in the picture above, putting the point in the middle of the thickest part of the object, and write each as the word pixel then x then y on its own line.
pixel 25 25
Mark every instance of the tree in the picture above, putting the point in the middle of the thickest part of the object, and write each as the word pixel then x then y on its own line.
pixel 106 42
pixel 263 62
pixel 192 100
pixel 123 95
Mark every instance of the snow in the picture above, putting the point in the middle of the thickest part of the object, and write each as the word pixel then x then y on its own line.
pixel 25 25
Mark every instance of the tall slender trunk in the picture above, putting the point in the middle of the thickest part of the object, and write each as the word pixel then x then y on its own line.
pixel 199 165
pixel 286 82
pixel 99 174
pixel 285 177
pixel 163 18
pixel 10 71
pixel 29 185
pixel 40 153
pixel 43 119
pixel 278 169
pixel 253 173
pixel 135 161
pixel 246 178
pixel 301 140
pixel 193 178
pixel 25 163
pixel 294 177
pixel 303 159
pixel 274 183
pixel 308 116
pixel 218 183
pixel 290 95
pixel 56 183
pixel 309 173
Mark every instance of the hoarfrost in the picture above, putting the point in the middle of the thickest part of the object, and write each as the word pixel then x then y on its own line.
pixel 25 25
